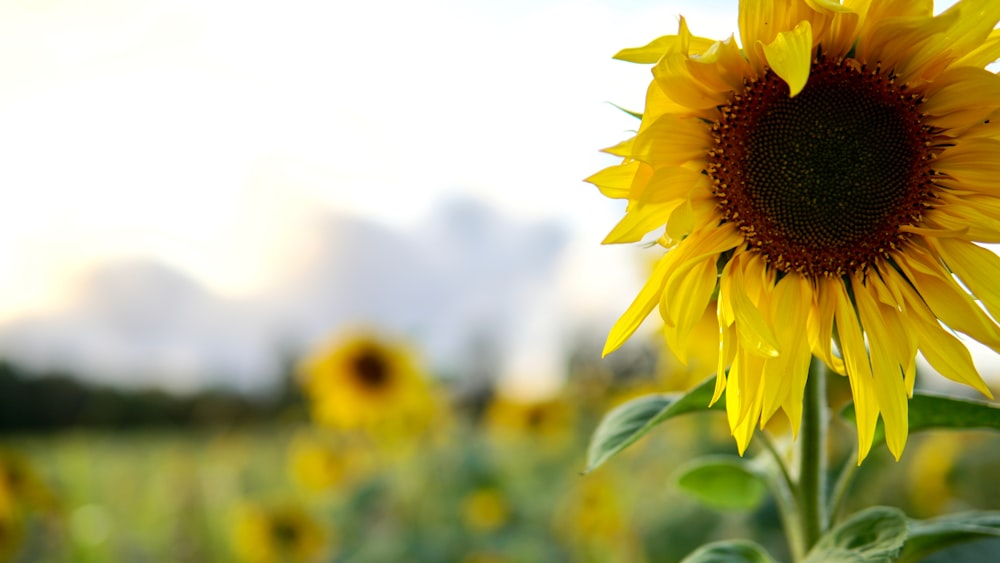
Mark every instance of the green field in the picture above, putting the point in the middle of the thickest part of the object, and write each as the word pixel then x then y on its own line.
pixel 484 487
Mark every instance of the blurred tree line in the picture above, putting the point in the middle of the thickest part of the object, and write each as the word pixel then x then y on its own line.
pixel 33 400
pixel 46 401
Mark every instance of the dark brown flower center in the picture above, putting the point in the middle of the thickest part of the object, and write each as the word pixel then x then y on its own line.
pixel 821 183
pixel 285 532
pixel 371 369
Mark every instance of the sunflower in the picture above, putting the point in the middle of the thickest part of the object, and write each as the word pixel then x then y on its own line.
pixel 593 519
pixel 548 422
pixel 485 510
pixel 821 187
pixel 931 475
pixel 277 533
pixel 366 382
pixel 318 464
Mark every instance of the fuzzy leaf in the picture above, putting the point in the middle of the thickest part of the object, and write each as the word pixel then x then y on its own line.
pixel 736 551
pixel 929 411
pixel 874 534
pixel 935 534
pixel 625 424
pixel 723 482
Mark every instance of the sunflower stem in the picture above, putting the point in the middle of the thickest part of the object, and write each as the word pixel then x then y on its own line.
pixel 783 488
pixel 812 456
pixel 842 486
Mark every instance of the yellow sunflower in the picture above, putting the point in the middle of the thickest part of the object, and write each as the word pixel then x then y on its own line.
pixel 825 178
pixel 367 382
pixel 548 422
pixel 321 465
pixel 277 533
pixel 485 510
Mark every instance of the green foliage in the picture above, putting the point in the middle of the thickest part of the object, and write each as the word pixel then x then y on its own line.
pixel 723 482
pixel 634 114
pixel 874 534
pixel 928 411
pixel 51 401
pixel 627 423
pixel 935 534
pixel 737 551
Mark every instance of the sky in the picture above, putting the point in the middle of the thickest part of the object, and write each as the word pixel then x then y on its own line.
pixel 192 188
pixel 168 127
pixel 190 185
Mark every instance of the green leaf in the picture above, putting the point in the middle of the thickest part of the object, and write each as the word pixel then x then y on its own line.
pixel 634 114
pixel 837 555
pixel 723 482
pixel 628 422
pixel 929 411
pixel 874 534
pixel 935 534
pixel 736 551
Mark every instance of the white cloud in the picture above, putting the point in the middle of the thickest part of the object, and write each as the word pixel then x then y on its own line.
pixel 463 273
pixel 142 124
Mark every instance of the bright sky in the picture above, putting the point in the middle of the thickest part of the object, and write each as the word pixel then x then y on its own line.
pixel 206 133
pixel 201 132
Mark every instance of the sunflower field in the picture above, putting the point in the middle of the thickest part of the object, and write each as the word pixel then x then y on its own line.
pixel 423 470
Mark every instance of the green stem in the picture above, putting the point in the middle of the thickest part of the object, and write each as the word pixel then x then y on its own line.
pixel 812 456
pixel 778 459
pixel 843 485
pixel 782 488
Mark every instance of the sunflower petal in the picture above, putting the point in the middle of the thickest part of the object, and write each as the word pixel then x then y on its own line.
pixel 681 86
pixel 652 51
pixel 788 310
pixel 721 65
pixel 757 20
pixel 886 373
pixel 949 302
pixel 961 97
pixel 975 22
pixel 977 267
pixel 616 181
pixel 640 220
pixel 727 354
pixel 859 371
pixel 671 140
pixel 737 405
pixel 686 295
pixel 820 324
pixel 983 55
pixel 670 182
pixel 641 307
pixel 790 56
pixel 755 334
pixel 943 352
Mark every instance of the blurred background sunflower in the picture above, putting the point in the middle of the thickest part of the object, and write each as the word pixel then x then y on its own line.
pixel 370 383
pixel 278 533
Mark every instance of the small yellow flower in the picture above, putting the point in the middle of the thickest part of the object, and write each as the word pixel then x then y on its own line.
pixel 832 173
pixel 485 510
pixel 22 482
pixel 550 420
pixel 281 533
pixel 593 518
pixel 11 526
pixel 365 382
pixel 325 465
pixel 23 493
pixel 929 482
